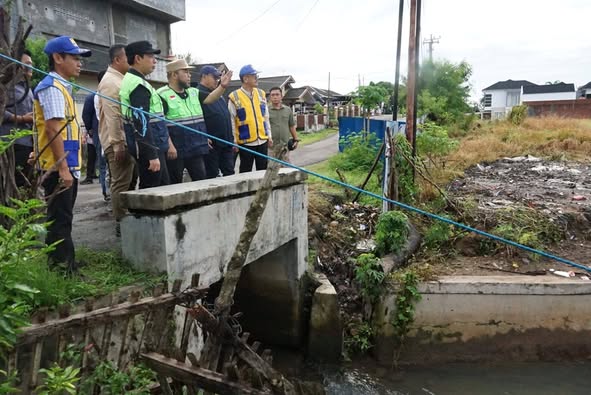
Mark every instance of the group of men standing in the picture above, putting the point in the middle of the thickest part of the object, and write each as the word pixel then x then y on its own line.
pixel 153 134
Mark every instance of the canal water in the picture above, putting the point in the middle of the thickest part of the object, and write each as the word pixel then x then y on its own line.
pixel 462 379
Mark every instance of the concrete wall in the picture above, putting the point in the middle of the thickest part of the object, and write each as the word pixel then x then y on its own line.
pixel 548 96
pixel 493 318
pixel 194 228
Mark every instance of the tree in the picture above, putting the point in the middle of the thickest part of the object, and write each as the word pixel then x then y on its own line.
pixel 39 58
pixel 444 91
pixel 370 97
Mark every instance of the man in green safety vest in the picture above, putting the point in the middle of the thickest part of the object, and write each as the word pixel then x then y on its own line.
pixel 188 148
pixel 151 135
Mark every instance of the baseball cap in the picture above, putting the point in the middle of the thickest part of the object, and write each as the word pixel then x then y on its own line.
pixel 176 65
pixel 248 70
pixel 210 70
pixel 65 44
pixel 140 48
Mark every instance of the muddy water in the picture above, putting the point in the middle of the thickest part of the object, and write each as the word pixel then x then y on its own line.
pixel 463 379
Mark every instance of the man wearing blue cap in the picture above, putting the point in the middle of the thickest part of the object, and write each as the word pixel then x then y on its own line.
pixel 250 115
pixel 217 120
pixel 58 144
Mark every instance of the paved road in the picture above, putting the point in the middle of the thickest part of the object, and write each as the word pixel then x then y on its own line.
pixel 94 226
pixel 316 152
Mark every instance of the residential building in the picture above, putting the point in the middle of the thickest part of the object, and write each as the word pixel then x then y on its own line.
pixel 98 24
pixel 502 96
pixel 196 72
pixel 584 92
pixel 548 92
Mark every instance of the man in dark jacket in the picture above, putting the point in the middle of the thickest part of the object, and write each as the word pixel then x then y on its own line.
pixel 218 122
pixel 18 114
pixel 91 123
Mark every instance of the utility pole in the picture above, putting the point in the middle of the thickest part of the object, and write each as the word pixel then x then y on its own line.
pixel 430 41
pixel 411 84
pixel 398 51
pixel 328 101
pixel 417 87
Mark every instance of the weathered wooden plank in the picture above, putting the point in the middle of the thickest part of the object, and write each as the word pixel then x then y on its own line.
pixel 202 378
pixel 36 363
pixel 36 331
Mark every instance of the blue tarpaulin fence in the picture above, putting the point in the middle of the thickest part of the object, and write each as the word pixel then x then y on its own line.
pixel 377 127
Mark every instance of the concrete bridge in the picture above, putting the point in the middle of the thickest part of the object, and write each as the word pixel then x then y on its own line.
pixel 194 228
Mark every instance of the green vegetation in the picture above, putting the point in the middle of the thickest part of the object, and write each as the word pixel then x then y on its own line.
pixel 391 232
pixel 371 97
pixel 59 380
pixel 360 339
pixel 309 138
pixel 404 315
pixel 136 379
pixel 26 281
pixel 518 114
pixel 370 276
pixel 40 60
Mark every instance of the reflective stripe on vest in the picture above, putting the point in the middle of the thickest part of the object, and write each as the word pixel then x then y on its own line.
pixel 250 118
pixel 182 109
pixel 70 133
pixel 128 85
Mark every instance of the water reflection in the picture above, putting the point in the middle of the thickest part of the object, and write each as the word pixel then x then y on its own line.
pixel 463 379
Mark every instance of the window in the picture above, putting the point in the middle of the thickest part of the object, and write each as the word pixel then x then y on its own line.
pixel 512 99
pixel 487 101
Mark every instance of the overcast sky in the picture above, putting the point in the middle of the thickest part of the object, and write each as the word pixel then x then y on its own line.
pixel 536 40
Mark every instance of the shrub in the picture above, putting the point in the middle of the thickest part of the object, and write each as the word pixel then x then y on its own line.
pixel 518 114
pixel 433 141
pixel 359 152
pixel 391 232
pixel 370 276
pixel 407 189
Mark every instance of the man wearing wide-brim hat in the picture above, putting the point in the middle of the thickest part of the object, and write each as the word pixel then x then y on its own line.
pixel 188 146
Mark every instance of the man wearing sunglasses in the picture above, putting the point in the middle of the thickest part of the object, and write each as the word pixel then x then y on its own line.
pixel 58 144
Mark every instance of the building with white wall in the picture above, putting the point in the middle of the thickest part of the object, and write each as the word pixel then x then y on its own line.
pixel 502 96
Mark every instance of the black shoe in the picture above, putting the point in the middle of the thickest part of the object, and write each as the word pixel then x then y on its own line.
pixel 107 198
pixel 87 181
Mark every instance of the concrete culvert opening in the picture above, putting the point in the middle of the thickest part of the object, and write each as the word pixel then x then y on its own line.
pixel 269 294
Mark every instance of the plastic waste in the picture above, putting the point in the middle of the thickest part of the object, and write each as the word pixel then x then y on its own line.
pixel 561 273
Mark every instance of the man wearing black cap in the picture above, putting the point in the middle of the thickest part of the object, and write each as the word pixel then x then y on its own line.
pixel 150 130
pixel 218 121
pixel 58 144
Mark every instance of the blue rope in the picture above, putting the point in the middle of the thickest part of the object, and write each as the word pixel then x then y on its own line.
pixel 331 180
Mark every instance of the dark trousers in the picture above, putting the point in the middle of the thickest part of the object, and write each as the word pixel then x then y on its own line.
pixel 219 159
pixel 194 165
pixel 90 161
pixel 60 213
pixel 150 179
pixel 246 158
pixel 23 170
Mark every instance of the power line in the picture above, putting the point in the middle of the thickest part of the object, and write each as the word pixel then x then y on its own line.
pixel 323 177
pixel 249 23
pixel 308 14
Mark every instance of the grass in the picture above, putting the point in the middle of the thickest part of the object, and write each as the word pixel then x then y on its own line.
pixel 354 177
pixel 103 273
pixel 314 137
pixel 548 137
